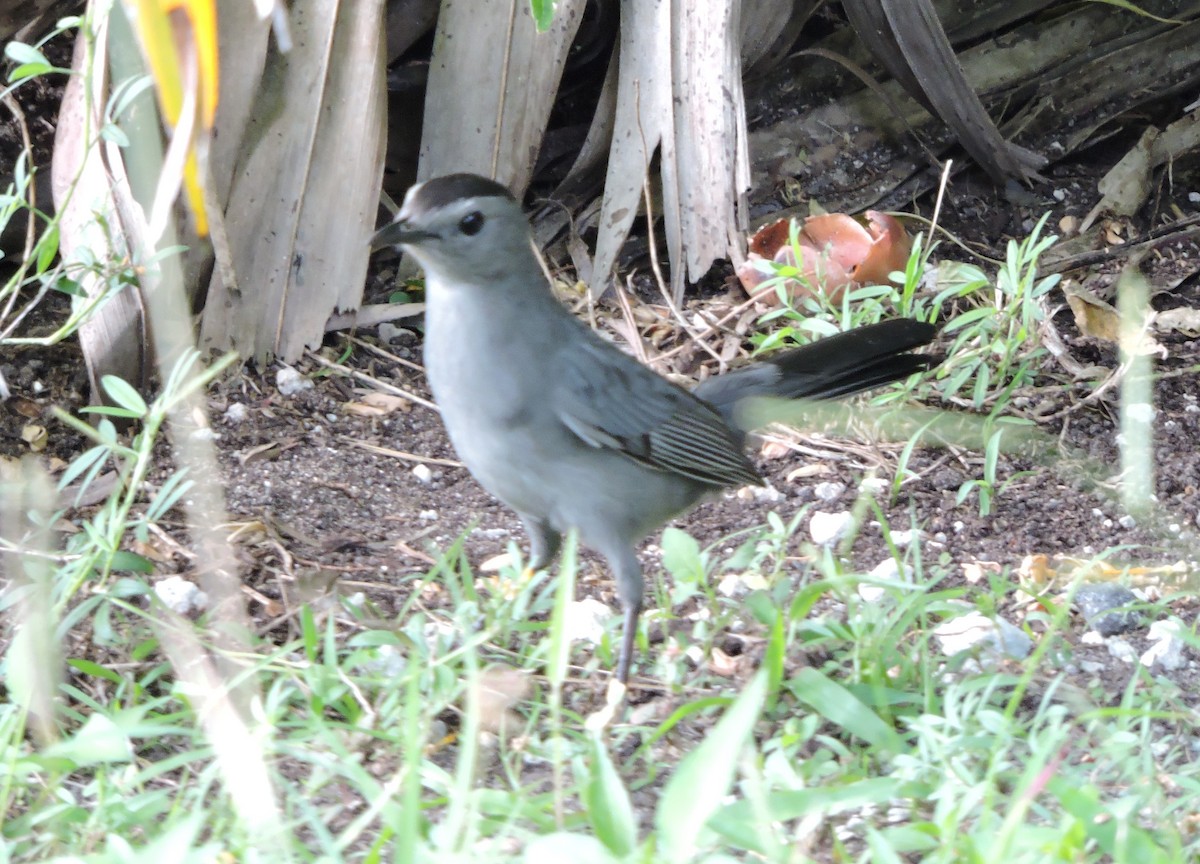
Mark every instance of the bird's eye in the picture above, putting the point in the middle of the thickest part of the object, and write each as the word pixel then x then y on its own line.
pixel 471 224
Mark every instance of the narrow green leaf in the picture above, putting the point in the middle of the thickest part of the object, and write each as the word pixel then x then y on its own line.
pixel 124 395
pixel 98 740
pixel 704 776
pixel 839 706
pixel 123 559
pixel 606 801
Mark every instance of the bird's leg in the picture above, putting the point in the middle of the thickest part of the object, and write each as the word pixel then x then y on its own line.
pixel 543 543
pixel 630 587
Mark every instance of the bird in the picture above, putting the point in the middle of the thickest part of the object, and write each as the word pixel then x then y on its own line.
pixel 567 429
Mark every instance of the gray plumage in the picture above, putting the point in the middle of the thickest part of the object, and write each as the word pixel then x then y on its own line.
pixel 565 428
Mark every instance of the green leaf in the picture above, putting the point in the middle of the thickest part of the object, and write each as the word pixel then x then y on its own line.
pixel 737 821
pixel 561 846
pixel 124 395
pixel 98 740
pixel 681 556
pixel 19 52
pixel 694 793
pixel 839 706
pixel 125 560
pixel 543 13
pixel 606 801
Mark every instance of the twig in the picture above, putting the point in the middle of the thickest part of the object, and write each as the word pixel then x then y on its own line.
pixel 374 382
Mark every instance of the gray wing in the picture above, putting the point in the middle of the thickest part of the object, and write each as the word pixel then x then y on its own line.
pixel 611 401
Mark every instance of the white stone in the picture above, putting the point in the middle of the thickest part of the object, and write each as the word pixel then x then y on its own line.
pixel 827 529
pixel 829 492
pixel 1122 650
pixel 976 630
pixel 290 382
pixel 1167 647
pixel 585 620
pixel 179 595
pixel 236 413
pixel 423 473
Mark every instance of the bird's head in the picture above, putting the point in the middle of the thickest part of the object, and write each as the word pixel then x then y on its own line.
pixel 460 228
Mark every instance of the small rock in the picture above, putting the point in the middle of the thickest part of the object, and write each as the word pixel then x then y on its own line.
pixel 1121 649
pixel 739 584
pixel 1092 667
pixel 423 473
pixel 179 595
pixel 428 515
pixel 976 630
pixel 766 494
pixel 585 620
pixel 389 333
pixel 1127 522
pixel 828 528
pixel 236 413
pixel 1095 599
pixel 887 570
pixel 874 485
pixel 829 492
pixel 290 382
pixel 1167 647
pixel 904 539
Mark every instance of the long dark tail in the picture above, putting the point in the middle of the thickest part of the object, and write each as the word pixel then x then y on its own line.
pixel 837 366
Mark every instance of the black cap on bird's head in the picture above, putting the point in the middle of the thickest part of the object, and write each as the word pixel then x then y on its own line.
pixel 430 197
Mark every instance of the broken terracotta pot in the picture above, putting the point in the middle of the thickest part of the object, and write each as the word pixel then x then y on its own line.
pixel 837 252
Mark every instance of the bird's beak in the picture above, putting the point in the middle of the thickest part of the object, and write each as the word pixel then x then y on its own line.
pixel 397 233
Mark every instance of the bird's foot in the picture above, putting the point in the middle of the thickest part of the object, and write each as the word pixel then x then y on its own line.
pixel 613 698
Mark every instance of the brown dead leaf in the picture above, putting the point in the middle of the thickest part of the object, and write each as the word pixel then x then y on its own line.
pixel 1036 570
pixel 1094 317
pixel 1098 319
pixel 499 689
pixel 975 571
pixel 376 404
pixel 26 408
pixel 774 450
pixel 812 469
pixel 269 450
pixel 1184 320
pixel 36 436
pixel 722 664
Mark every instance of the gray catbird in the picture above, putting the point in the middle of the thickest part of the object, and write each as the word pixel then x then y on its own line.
pixel 563 427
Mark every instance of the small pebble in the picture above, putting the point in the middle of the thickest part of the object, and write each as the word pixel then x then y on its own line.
pixel 290 382
pixel 829 492
pixel 976 630
pixel 766 494
pixel 1096 599
pixel 1122 650
pixel 827 529
pixel 873 485
pixel 1167 647
pixel 585 620
pixel 904 539
pixel 887 570
pixel 428 515
pixel 423 473
pixel 179 595
pixel 1127 521
pixel 236 413
pixel 389 332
